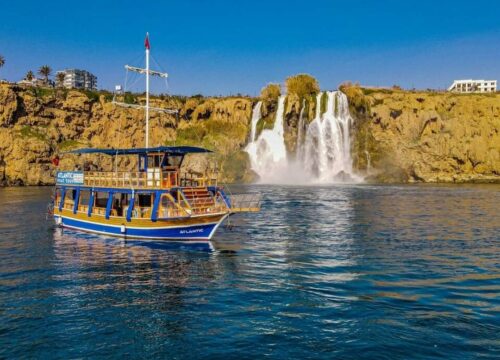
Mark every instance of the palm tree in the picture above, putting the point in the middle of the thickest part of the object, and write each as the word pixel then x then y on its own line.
pixel 45 71
pixel 29 76
pixel 2 61
pixel 60 76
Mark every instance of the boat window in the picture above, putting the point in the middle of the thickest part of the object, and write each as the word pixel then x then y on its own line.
pixel 175 194
pixel 118 204
pixel 168 208
pixel 84 197
pixel 154 161
pixel 142 163
pixel 101 199
pixel 174 161
pixel 144 200
pixel 71 194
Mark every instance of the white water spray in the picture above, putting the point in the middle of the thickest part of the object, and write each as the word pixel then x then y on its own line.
pixel 268 153
pixel 327 145
pixel 323 152
pixel 255 120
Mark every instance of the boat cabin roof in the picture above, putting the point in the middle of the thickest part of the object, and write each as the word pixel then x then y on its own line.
pixel 169 150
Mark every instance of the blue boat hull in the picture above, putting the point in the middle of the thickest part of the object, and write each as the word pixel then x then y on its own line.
pixel 203 231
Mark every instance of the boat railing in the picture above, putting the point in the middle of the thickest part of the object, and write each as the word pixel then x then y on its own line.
pixel 245 203
pixel 155 179
pixel 198 179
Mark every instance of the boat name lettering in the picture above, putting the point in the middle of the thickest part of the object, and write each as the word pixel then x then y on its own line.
pixel 70 177
pixel 191 231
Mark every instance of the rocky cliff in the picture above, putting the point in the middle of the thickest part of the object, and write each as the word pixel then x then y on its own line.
pixel 36 124
pixel 403 136
pixel 398 136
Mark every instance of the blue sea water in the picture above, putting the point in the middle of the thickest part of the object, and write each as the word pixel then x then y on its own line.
pixel 347 272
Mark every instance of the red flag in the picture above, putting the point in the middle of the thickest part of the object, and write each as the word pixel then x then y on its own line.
pixel 146 42
pixel 55 161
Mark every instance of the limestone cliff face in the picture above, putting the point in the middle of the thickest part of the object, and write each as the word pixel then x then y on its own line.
pixel 403 136
pixel 37 124
pixel 398 136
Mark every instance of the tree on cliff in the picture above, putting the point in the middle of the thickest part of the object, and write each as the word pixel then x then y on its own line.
pixel 60 79
pixel 29 76
pixel 45 71
pixel 302 85
pixel 270 92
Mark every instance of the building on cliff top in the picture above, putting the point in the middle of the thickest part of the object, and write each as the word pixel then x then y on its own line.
pixel 473 86
pixel 78 79
pixel 36 82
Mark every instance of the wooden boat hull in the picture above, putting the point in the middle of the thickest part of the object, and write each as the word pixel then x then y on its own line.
pixel 199 228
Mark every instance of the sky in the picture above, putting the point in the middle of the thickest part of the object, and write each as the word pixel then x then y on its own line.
pixel 228 47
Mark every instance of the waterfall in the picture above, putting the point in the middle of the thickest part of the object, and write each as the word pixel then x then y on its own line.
pixel 267 153
pixel 323 153
pixel 327 144
pixel 255 120
pixel 368 162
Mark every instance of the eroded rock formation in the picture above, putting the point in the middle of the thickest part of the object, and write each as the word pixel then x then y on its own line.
pixel 426 137
pixel 398 136
pixel 37 124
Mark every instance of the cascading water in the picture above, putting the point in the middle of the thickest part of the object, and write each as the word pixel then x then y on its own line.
pixel 255 120
pixel 323 152
pixel 268 152
pixel 327 145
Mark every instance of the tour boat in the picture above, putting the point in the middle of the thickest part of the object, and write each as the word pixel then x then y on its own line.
pixel 160 200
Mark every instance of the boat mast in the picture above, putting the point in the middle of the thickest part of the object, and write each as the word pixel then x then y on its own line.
pixel 146 44
pixel 147 72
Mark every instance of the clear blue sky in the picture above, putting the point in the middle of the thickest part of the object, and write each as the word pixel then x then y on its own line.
pixel 227 47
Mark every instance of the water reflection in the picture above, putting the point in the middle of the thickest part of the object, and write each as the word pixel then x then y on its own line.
pixel 397 271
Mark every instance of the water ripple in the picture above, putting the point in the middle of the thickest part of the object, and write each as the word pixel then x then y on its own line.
pixel 350 272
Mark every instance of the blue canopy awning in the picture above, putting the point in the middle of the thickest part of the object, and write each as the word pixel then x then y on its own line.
pixel 171 150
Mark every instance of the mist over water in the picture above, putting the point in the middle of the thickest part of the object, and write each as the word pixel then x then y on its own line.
pixel 323 152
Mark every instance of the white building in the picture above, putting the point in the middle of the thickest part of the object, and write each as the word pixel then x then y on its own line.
pixel 36 82
pixel 78 79
pixel 473 86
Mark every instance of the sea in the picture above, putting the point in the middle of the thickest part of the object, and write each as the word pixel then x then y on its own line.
pixel 321 272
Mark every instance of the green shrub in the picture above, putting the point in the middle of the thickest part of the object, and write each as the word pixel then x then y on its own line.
pixel 302 85
pixel 270 92
pixel 29 131
pixel 323 103
pixel 42 92
pixel 68 145
pixel 129 98
pixel 92 95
